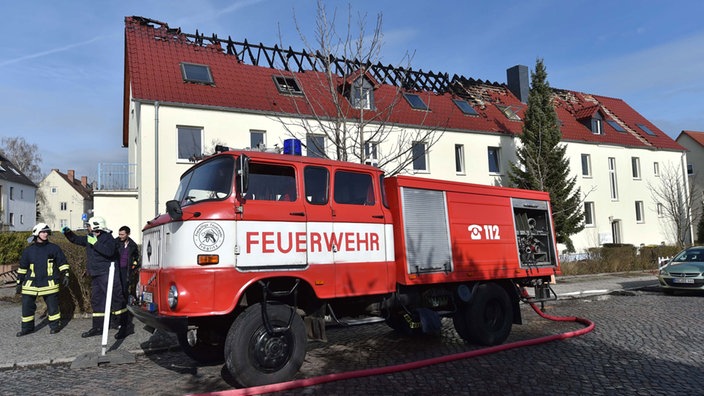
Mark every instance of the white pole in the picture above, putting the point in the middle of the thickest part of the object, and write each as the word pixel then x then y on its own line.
pixel 108 303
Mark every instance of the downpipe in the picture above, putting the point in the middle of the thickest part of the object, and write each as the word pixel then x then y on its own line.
pixel 283 386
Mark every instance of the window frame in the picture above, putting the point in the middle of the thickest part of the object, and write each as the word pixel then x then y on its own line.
pixel 508 112
pixel 420 160
pixel 589 209
pixel 196 131
pixel 613 179
pixel 588 163
pixel 459 160
pixel 254 132
pixel 465 107
pixel 414 104
pixel 312 149
pixel 497 161
pixel 287 85
pixel 371 152
pixel 365 97
pixel 635 168
pixel 656 169
pixel 640 212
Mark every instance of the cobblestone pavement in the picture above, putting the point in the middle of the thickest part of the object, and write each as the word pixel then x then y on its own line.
pixel 644 343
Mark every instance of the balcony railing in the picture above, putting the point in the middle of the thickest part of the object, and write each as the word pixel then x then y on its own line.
pixel 117 176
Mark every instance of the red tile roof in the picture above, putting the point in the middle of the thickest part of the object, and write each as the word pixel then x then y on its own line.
pixel 696 136
pixel 154 52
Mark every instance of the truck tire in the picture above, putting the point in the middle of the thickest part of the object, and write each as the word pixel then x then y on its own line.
pixel 203 351
pixel 255 357
pixel 488 318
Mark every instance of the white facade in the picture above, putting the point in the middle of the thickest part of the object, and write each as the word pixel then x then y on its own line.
pixel 17 206
pixel 613 219
pixel 63 205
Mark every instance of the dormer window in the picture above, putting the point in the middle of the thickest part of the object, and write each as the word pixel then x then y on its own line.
pixel 415 101
pixel 509 112
pixel 465 107
pixel 195 73
pixel 288 85
pixel 361 95
pixel 597 126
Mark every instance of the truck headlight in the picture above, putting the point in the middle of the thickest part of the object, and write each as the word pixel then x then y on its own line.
pixel 173 297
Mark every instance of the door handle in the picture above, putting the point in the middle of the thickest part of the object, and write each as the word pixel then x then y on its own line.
pixel 297 213
pixel 378 216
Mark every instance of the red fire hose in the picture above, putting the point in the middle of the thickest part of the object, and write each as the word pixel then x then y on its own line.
pixel 282 386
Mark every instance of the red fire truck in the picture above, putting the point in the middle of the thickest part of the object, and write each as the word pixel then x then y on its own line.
pixel 259 250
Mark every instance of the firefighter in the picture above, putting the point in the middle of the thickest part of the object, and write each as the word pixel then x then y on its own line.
pixel 42 266
pixel 101 250
pixel 129 265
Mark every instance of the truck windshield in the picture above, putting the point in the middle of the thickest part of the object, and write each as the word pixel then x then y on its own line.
pixel 210 180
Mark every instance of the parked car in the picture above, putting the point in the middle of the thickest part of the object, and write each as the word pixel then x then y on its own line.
pixel 684 272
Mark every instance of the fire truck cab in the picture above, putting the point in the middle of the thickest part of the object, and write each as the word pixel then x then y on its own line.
pixel 257 249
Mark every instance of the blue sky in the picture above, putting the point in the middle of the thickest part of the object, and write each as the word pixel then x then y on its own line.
pixel 61 62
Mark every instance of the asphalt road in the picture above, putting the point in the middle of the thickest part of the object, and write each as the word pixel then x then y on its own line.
pixel 644 343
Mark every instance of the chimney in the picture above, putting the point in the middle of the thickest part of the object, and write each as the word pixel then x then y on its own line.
pixel 517 81
pixel 84 181
pixel 71 173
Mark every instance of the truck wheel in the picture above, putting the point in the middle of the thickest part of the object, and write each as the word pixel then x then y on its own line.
pixel 255 357
pixel 487 318
pixel 203 351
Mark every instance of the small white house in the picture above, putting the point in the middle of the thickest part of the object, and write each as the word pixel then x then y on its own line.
pixel 65 201
pixel 17 198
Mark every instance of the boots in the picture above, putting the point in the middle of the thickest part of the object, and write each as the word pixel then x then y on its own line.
pixel 94 331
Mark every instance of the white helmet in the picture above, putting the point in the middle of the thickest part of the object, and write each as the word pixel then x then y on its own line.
pixel 97 224
pixel 39 228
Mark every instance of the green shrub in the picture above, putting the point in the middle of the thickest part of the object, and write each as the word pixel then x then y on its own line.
pixel 619 258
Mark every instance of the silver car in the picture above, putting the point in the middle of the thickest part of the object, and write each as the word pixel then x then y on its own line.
pixel 684 272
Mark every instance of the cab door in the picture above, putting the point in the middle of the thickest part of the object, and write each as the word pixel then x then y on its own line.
pixel 359 234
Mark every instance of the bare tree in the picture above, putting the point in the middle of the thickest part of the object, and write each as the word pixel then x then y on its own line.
pixel 674 199
pixel 24 156
pixel 339 103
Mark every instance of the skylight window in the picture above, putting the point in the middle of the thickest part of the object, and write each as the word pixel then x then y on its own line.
pixel 192 72
pixel 646 129
pixel 465 107
pixel 415 101
pixel 616 126
pixel 509 112
pixel 288 85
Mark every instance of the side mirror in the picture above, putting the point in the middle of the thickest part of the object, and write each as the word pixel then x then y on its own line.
pixel 173 208
pixel 242 174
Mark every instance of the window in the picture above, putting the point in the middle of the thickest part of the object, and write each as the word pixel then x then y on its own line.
pixel 597 126
pixel 12 192
pixel 370 153
pixel 21 219
pixel 63 223
pixel 494 159
pixel 420 156
pixel 639 212
pixel 613 182
pixel 195 73
pixel 315 146
pixel 271 183
pixel 63 205
pixel 509 112
pixel 459 158
pixel 353 188
pixel 616 125
pixel 12 219
pixel 210 180
pixel 415 101
pixel 660 210
pixel 465 107
pixel 656 169
pixel 190 142
pixel 361 94
pixel 690 171
pixel 586 165
pixel 256 139
pixel 589 214
pixel 635 166
pixel 646 129
pixel 288 85
pixel 317 184
pixel 53 190
pixel 21 194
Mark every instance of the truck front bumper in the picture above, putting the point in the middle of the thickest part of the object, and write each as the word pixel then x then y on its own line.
pixel 174 324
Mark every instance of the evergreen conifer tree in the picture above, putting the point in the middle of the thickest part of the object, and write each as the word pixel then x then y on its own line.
pixel 542 164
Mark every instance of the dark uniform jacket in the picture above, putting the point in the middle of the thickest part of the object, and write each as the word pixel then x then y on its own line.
pixel 99 255
pixel 132 252
pixel 40 268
